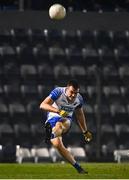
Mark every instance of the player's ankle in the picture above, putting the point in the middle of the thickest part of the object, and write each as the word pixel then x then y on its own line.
pixel 76 165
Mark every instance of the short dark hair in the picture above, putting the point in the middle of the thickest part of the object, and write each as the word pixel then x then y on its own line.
pixel 74 83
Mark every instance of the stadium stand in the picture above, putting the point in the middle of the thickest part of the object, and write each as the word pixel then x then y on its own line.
pixel 91 5
pixel 29 71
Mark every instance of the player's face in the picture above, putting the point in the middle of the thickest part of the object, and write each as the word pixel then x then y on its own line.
pixel 71 93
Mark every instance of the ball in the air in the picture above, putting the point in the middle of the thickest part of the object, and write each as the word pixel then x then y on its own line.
pixel 57 11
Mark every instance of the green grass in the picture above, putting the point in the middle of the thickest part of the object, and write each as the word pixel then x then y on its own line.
pixel 64 171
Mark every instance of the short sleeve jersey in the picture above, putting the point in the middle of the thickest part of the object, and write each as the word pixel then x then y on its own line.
pixel 58 95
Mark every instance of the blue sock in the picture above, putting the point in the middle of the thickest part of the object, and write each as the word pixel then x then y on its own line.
pixel 77 166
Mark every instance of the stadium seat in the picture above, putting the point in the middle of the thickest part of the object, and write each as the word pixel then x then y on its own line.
pixel 78 153
pixel 29 91
pixel 45 68
pixel 122 54
pixel 40 154
pixel 5 36
pixel 70 38
pixel 38 36
pixel 16 109
pixel 21 35
pixel 104 38
pixel 77 70
pixel 92 73
pixel 111 93
pixel 122 131
pixel 118 112
pixel 55 156
pixel 107 149
pixel 3 110
pixel 92 91
pixel 110 75
pixel 124 73
pixel 11 91
pixel 36 129
pixel 55 50
pixel 108 145
pixel 74 54
pixel 120 38
pixel 23 155
pixel 41 50
pixel 10 69
pixel 106 128
pixel 28 73
pixel 27 69
pixel 88 37
pixel 121 155
pixel 6 133
pixel 32 108
pixel 61 69
pixel 89 111
pixel 25 54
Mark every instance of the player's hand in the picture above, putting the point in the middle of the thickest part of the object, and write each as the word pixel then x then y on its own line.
pixel 63 113
pixel 88 136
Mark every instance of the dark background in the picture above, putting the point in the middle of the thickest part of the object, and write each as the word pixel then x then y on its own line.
pixel 94 39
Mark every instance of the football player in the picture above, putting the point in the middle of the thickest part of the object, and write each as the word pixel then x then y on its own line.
pixel 60 105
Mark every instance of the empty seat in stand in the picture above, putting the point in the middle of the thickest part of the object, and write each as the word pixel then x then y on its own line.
pixel 29 91
pixel 3 110
pixel 21 35
pixel 6 36
pixel 28 73
pixel 120 38
pixel 12 90
pixel 38 36
pixel 104 38
pixel 41 154
pixel 78 153
pixel 23 154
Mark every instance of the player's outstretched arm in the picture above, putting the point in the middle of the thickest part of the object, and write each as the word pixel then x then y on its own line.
pixel 81 119
pixel 82 124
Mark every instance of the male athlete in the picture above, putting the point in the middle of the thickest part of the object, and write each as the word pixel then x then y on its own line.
pixel 60 104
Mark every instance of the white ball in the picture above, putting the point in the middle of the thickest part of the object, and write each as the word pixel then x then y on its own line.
pixel 57 11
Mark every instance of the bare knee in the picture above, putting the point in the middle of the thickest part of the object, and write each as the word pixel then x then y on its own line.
pixel 56 143
pixel 58 125
pixel 58 129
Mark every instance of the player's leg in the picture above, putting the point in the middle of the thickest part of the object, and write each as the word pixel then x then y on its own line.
pixel 60 128
pixel 55 133
pixel 48 128
pixel 55 127
pixel 58 144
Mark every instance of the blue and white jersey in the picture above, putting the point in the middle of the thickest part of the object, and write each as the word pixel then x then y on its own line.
pixel 58 95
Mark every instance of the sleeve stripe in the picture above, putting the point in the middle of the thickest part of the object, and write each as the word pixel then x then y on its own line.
pixel 55 93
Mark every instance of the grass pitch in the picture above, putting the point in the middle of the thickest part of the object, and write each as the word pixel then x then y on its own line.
pixel 64 171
